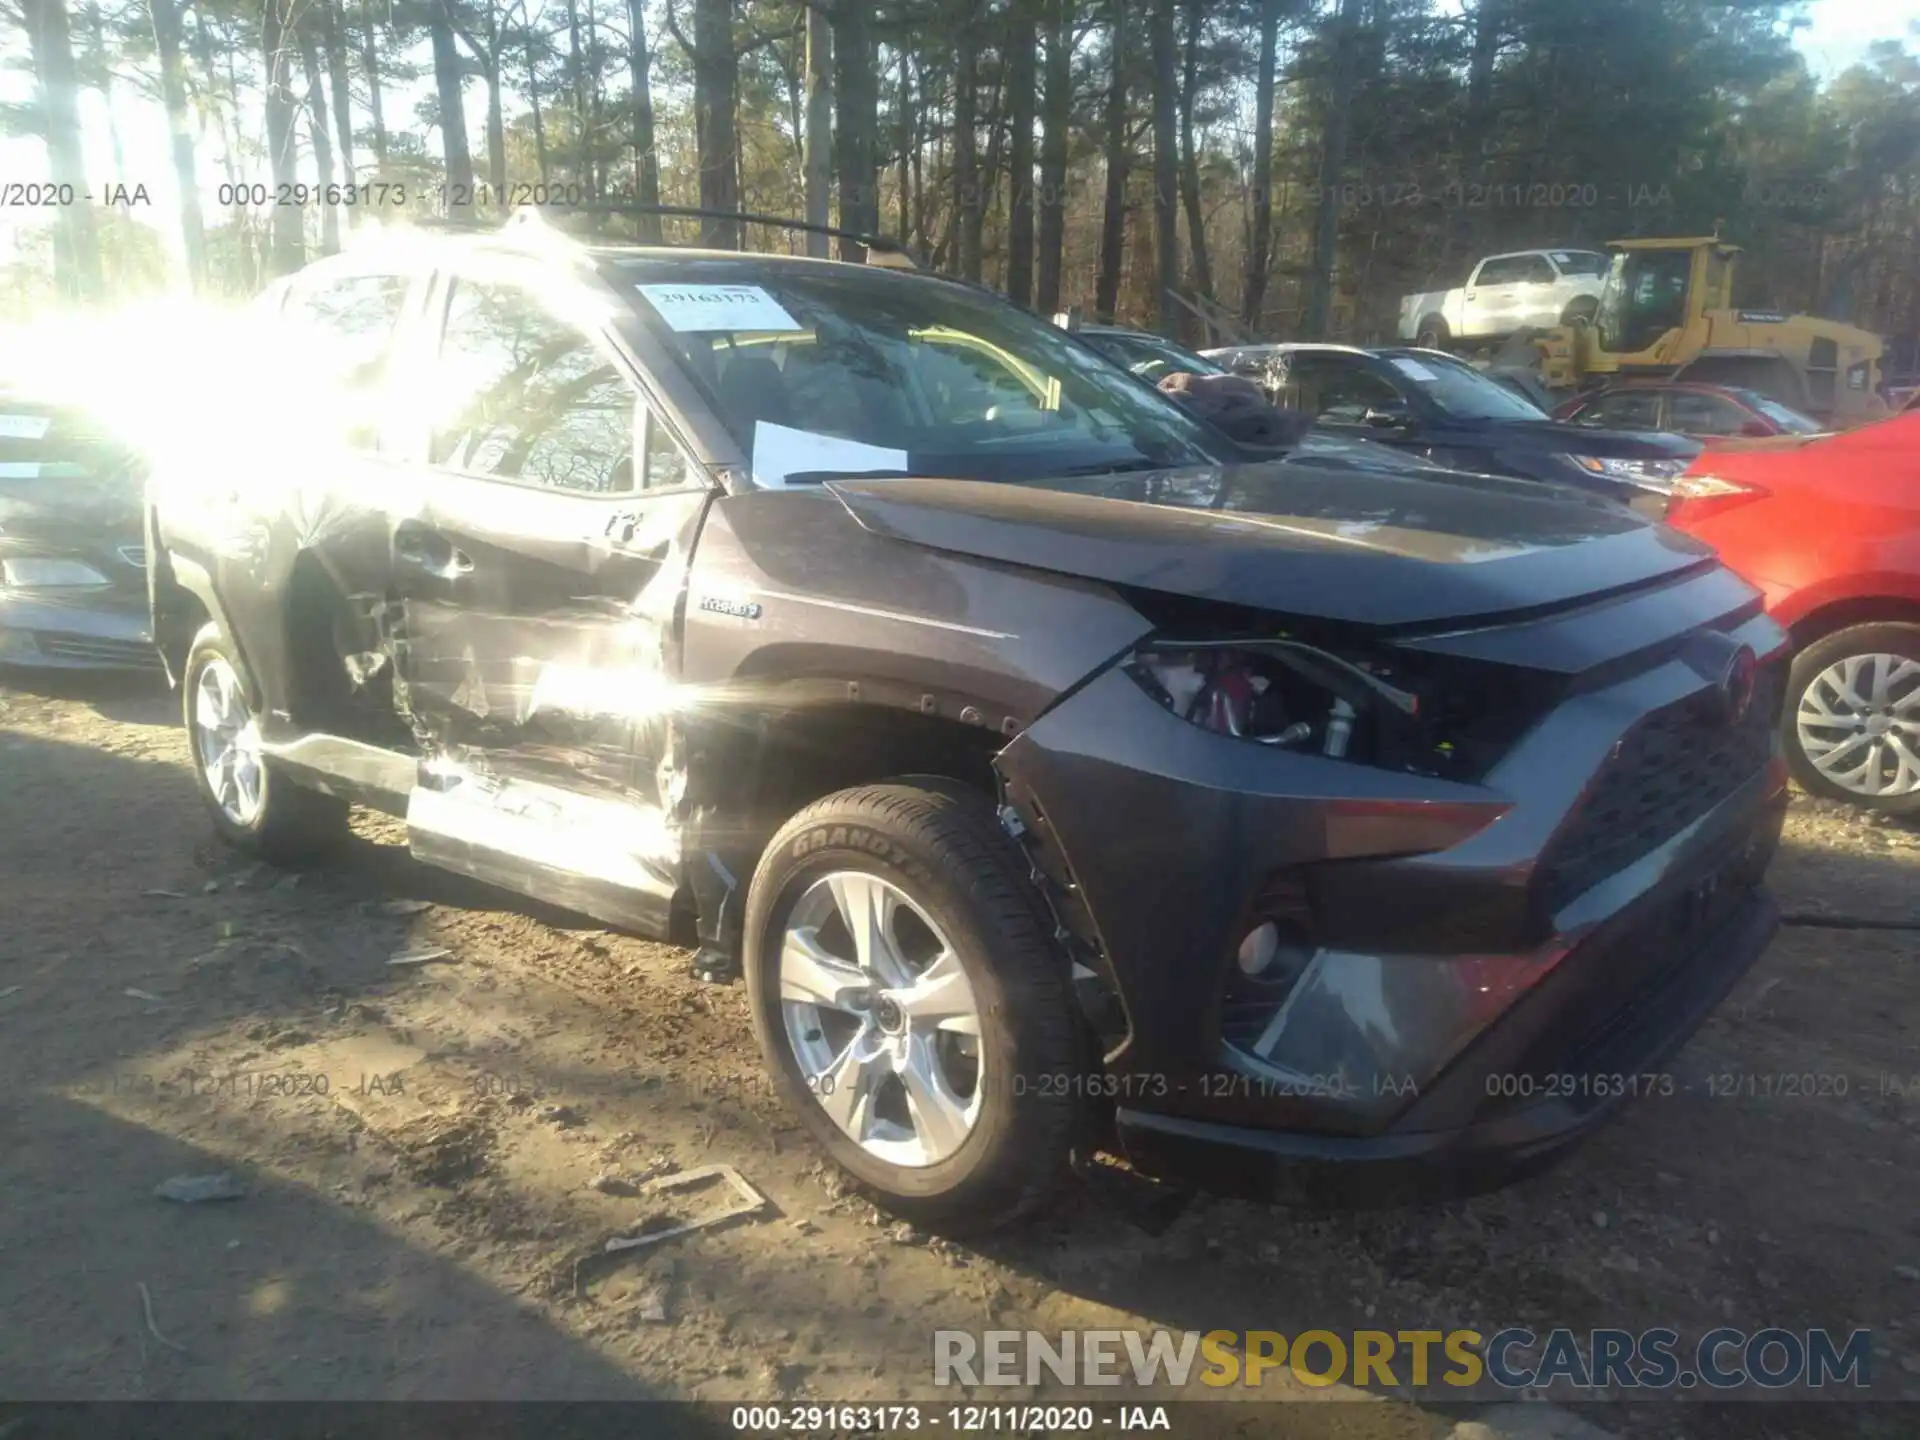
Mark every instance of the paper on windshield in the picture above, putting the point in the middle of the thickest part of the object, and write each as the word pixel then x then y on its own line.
pixel 1413 369
pixel 780 451
pixel 25 427
pixel 718 307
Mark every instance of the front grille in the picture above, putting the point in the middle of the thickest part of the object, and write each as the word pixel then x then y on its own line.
pixel 87 650
pixel 1669 770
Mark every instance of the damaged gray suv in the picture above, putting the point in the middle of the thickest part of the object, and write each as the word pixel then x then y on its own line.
pixel 1061 781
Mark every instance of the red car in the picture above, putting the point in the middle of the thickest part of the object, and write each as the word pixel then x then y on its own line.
pixel 1828 526
pixel 1711 414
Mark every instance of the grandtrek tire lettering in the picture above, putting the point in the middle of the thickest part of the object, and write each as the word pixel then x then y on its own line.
pixel 940 858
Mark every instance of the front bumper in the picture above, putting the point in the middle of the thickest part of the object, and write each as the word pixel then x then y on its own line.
pixel 1558 1107
pixel 43 633
pixel 1157 841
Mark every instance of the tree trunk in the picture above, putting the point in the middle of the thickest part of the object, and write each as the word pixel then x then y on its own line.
pixel 320 138
pixel 1166 170
pixel 577 81
pixel 857 102
pixel 1022 84
pixel 817 147
pixel 287 249
pixel 904 177
pixel 1253 295
pixel 596 108
pixel 165 18
pixel 715 78
pixel 1113 218
pixel 1058 117
pixel 370 58
pixel 496 127
pixel 76 242
pixel 968 201
pixel 100 64
pixel 539 119
pixel 1189 159
pixel 1333 162
pixel 453 115
pixel 646 160
pixel 342 92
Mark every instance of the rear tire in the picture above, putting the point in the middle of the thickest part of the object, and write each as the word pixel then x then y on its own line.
pixel 1432 334
pixel 956 922
pixel 253 809
pixel 1841 739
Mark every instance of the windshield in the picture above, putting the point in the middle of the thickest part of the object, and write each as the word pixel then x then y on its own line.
pixel 1580 262
pixel 818 370
pixel 1645 295
pixel 1787 418
pixel 1150 357
pixel 1462 391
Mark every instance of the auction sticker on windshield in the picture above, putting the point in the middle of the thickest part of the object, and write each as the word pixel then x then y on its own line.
pixel 718 307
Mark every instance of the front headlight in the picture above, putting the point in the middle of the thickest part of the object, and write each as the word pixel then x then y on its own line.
pixel 1654 474
pixel 37 572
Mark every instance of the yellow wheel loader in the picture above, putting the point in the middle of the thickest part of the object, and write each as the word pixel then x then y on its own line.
pixel 1666 312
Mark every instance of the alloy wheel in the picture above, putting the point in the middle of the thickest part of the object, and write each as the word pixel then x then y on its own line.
pixel 227 741
pixel 882 1019
pixel 1859 725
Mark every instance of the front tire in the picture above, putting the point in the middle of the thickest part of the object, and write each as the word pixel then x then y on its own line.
pixel 1852 720
pixel 910 1006
pixel 253 809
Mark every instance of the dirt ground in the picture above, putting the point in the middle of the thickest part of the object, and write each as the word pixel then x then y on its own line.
pixel 433 1154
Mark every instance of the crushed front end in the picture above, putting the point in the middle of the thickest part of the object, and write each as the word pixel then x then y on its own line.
pixel 1366 916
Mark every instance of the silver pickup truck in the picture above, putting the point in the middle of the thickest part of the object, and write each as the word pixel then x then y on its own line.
pixel 1505 293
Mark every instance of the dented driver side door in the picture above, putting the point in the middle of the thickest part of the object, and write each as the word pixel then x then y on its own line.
pixel 539 582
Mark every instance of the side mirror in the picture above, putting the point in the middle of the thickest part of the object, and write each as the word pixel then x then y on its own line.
pixel 1386 419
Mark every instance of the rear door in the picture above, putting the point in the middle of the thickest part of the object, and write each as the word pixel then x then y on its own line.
pixel 540 583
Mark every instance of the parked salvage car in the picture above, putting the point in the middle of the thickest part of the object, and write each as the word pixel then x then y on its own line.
pixel 1710 414
pixel 1442 409
pixel 1828 527
pixel 1041 768
pixel 73 581
pixel 1151 357
pixel 1529 289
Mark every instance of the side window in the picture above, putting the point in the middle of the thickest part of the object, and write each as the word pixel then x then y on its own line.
pixel 1534 270
pixel 347 322
pixel 667 466
pixel 1341 392
pixel 1695 414
pixel 1625 410
pixel 524 396
pixel 1498 272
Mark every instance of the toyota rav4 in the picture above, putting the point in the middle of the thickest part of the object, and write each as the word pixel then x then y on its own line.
pixel 1061 783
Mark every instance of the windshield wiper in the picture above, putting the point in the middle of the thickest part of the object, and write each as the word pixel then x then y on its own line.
pixel 821 477
pixel 1112 467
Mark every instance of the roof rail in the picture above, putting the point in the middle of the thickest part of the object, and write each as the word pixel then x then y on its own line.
pixel 881 250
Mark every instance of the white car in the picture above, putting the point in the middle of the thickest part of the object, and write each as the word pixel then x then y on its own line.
pixel 1505 293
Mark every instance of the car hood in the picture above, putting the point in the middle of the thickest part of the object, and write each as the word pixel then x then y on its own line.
pixel 1552 435
pixel 1312 537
